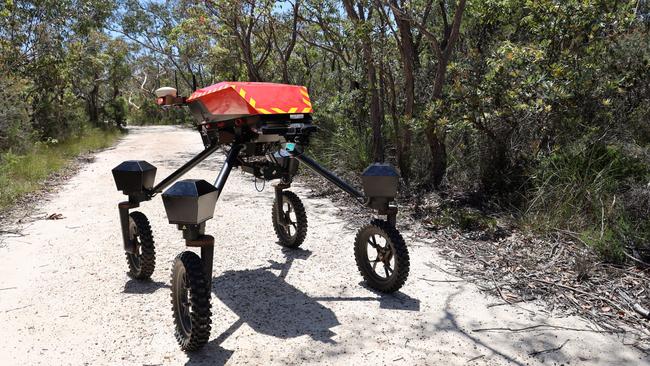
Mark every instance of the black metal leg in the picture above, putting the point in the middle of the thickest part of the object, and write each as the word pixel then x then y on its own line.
pixel 330 176
pixel 231 159
pixel 206 243
pixel 278 194
pixel 392 219
pixel 184 169
pixel 124 208
pixel 279 188
pixel 207 257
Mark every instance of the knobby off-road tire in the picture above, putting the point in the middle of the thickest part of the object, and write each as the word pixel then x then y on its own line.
pixel 190 302
pixel 388 268
pixel 143 262
pixel 292 234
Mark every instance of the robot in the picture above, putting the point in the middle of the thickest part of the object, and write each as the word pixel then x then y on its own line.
pixel 264 128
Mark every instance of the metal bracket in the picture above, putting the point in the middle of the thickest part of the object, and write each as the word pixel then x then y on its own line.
pixel 124 207
pixel 278 198
pixel 206 243
pixel 391 214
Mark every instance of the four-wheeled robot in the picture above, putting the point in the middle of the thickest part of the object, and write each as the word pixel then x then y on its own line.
pixel 264 128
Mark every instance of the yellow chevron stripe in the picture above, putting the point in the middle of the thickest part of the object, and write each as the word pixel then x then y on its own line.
pixel 242 92
pixel 293 110
pixel 263 111
pixel 252 102
pixel 307 102
pixel 304 93
pixel 278 110
pixel 306 110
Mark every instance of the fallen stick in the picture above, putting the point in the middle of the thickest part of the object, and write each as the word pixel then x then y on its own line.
pixel 636 259
pixel 11 232
pixel 641 310
pixel 634 305
pixel 532 327
pixel 22 307
pixel 475 358
pixel 428 280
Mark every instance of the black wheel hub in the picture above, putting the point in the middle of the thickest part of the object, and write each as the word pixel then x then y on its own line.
pixel 384 256
pixel 287 223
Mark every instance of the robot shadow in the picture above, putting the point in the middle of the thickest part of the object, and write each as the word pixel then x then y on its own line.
pixel 143 287
pixel 269 305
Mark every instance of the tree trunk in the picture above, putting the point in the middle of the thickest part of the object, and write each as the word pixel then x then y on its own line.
pixel 375 108
pixel 91 105
pixel 396 125
pixel 409 59
pixel 436 137
pixel 438 148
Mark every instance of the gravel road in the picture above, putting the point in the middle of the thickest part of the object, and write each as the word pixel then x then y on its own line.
pixel 65 297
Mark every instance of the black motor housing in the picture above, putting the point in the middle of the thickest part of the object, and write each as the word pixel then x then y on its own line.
pixel 190 202
pixel 133 177
pixel 380 182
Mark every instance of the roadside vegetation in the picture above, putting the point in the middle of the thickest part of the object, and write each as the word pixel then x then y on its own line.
pixel 27 172
pixel 540 110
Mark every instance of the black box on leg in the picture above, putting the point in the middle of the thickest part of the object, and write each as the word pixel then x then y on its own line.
pixel 380 182
pixel 133 177
pixel 190 202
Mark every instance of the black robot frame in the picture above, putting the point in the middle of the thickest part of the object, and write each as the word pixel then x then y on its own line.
pixel 270 148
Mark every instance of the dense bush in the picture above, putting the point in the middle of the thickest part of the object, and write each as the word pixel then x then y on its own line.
pixel 15 109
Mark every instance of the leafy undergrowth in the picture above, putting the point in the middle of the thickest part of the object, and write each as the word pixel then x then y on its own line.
pixel 21 174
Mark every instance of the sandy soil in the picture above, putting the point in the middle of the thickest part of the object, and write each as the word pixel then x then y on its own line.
pixel 65 297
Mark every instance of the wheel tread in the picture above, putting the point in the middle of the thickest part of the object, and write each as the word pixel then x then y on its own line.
pixel 401 256
pixel 301 218
pixel 148 245
pixel 200 294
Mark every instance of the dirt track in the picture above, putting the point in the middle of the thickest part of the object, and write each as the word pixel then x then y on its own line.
pixel 65 297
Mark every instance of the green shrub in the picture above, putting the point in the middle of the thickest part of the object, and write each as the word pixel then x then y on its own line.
pixel 582 189
pixel 15 125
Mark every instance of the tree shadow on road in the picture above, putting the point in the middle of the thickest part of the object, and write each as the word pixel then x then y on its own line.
pixel 503 348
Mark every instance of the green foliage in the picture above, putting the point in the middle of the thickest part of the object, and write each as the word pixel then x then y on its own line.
pixel 15 126
pixel 22 173
pixel 342 141
pixel 580 188
pixel 543 108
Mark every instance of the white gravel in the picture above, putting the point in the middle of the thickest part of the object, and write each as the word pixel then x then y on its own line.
pixel 65 297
